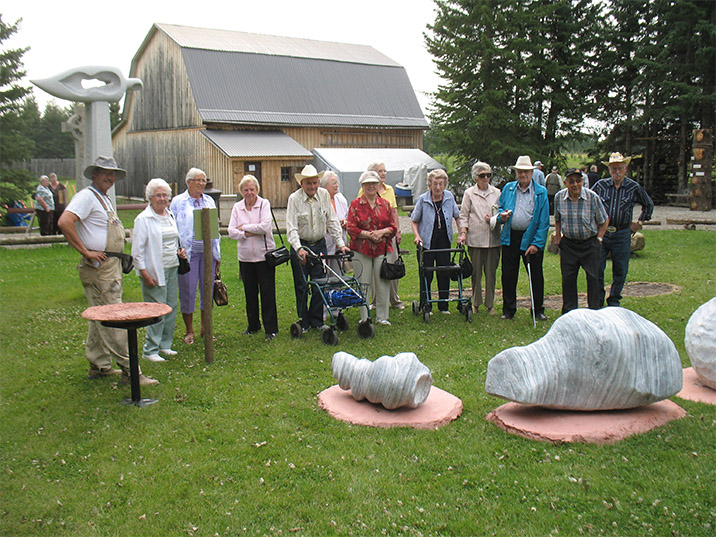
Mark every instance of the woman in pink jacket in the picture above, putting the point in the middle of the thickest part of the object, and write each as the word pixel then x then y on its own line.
pixel 250 225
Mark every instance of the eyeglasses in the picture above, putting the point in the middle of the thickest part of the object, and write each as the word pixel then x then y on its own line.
pixel 200 181
pixel 484 175
pixel 572 181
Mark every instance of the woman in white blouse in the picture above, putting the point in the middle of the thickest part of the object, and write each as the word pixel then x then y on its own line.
pixel 483 243
pixel 155 245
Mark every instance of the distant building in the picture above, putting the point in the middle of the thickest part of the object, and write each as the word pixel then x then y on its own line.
pixel 234 103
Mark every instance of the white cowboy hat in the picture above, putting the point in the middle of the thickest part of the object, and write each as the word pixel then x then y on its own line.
pixel 105 163
pixel 307 172
pixel 523 163
pixel 616 158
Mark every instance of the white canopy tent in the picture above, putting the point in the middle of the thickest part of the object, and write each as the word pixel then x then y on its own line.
pixel 403 165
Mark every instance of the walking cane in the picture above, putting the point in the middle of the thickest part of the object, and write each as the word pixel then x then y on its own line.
pixel 532 296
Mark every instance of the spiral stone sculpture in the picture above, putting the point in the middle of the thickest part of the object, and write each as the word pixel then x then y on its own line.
pixel 700 341
pixel 590 360
pixel 392 381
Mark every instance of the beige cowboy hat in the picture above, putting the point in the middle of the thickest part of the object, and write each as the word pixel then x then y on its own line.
pixel 523 163
pixel 307 172
pixel 105 163
pixel 616 158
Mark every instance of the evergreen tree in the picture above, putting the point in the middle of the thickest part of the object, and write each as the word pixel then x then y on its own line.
pixel 514 75
pixel 14 146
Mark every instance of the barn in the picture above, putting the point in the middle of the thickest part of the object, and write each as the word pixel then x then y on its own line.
pixel 234 103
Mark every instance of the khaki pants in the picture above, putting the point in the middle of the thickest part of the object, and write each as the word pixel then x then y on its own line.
pixel 103 285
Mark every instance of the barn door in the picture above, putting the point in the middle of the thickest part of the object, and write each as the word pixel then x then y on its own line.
pixel 254 168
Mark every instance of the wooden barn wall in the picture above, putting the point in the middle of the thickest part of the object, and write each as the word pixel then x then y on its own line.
pixel 165 100
pixel 149 154
pixel 310 138
pixel 272 188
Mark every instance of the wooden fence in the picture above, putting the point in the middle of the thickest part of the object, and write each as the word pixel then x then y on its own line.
pixel 63 167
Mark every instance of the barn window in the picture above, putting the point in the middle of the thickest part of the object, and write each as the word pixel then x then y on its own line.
pixel 286 174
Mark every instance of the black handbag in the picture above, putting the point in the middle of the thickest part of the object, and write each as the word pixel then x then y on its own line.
pixel 184 265
pixel 392 271
pixel 221 293
pixel 465 266
pixel 277 256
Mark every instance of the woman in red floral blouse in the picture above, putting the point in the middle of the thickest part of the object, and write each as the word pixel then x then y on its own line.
pixel 370 226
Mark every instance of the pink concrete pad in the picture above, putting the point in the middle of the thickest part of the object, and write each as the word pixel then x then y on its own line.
pixel 439 409
pixel 693 390
pixel 128 311
pixel 596 427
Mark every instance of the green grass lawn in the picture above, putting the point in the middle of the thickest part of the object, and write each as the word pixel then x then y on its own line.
pixel 240 447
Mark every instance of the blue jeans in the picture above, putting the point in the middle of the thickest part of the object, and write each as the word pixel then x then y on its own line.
pixel 619 244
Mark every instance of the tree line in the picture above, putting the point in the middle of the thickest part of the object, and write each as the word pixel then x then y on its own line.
pixel 531 76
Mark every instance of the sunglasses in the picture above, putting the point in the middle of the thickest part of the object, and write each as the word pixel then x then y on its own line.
pixel 484 175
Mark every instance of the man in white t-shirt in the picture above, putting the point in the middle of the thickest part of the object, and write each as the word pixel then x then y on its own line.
pixel 91 226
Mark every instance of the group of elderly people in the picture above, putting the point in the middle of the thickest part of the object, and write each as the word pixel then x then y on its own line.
pixel 319 220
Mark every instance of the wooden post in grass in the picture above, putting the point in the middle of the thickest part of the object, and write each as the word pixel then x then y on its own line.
pixel 700 184
pixel 207 313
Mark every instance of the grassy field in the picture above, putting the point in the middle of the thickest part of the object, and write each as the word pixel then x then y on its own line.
pixel 240 447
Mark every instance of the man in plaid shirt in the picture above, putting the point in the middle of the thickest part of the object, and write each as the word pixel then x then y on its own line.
pixel 581 222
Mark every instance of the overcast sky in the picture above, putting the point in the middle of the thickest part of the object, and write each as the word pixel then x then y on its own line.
pixel 74 33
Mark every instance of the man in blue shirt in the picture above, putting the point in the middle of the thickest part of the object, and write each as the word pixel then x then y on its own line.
pixel 619 193
pixel 524 214
pixel 537 174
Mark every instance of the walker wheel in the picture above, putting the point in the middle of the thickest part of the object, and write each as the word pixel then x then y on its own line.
pixel 329 336
pixel 468 314
pixel 296 330
pixel 416 308
pixel 366 330
pixel 342 322
pixel 426 317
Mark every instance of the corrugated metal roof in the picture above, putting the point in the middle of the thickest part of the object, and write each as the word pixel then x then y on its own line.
pixel 256 144
pixel 231 41
pixel 266 89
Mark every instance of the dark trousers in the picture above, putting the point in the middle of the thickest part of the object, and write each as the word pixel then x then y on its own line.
pixel 511 256
pixel 310 316
pixel 260 278
pixel 55 218
pixel 438 259
pixel 576 254
pixel 44 219
pixel 619 244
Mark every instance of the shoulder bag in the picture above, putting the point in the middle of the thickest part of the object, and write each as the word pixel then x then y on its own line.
pixel 465 265
pixel 392 271
pixel 277 256
pixel 221 294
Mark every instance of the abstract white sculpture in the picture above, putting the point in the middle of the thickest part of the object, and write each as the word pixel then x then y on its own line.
pixel 392 381
pixel 700 341
pixel 590 360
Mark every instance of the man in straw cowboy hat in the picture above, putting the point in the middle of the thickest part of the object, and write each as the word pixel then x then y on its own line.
pixel 308 215
pixel 91 226
pixel 619 193
pixel 523 213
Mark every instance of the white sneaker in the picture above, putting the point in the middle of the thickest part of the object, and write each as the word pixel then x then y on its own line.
pixel 154 358
pixel 446 312
pixel 385 322
pixel 168 352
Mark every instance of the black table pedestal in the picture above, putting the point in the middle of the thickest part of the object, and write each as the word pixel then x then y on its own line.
pixel 131 328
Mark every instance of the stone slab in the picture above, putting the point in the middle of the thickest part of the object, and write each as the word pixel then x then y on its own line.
pixel 693 390
pixel 128 311
pixel 596 427
pixel 438 410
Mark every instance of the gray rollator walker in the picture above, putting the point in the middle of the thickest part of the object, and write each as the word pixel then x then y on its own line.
pixel 454 270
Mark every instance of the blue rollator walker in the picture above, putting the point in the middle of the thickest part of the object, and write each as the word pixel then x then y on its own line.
pixel 454 269
pixel 338 292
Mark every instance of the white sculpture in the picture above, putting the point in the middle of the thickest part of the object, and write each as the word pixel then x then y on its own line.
pixel 590 360
pixel 393 381
pixel 700 341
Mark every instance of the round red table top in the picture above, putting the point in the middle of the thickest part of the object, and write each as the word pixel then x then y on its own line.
pixel 126 312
